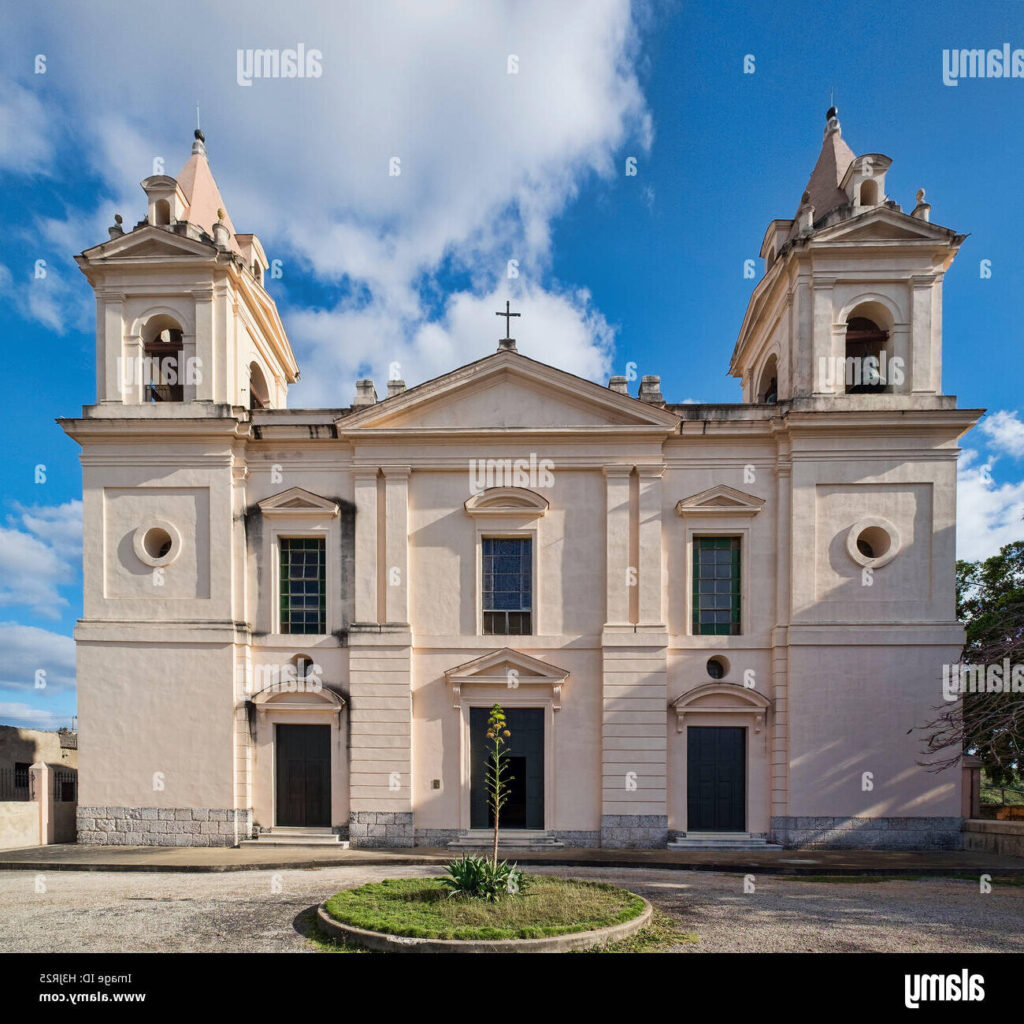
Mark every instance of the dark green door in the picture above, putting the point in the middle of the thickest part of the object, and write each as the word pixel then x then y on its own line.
pixel 716 779
pixel 303 754
pixel 525 807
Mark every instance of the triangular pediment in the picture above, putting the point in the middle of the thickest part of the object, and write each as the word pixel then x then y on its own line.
pixel 298 501
pixel 882 224
pixel 508 391
pixel 150 242
pixel 720 500
pixel 504 672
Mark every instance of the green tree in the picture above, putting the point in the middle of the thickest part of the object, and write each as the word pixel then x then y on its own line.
pixel 990 604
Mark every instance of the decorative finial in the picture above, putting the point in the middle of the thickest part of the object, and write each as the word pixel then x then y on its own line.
pixel 831 120
pixel 115 231
pixel 920 195
pixel 199 146
pixel 221 214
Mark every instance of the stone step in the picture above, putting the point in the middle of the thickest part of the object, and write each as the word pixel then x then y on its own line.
pixel 298 837
pixel 720 841
pixel 526 839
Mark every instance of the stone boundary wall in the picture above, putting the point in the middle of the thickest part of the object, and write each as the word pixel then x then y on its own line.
pixel 985 835
pixel 162 826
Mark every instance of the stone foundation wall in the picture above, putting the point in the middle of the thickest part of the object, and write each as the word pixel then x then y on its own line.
pixel 381 828
pixel 634 831
pixel 436 836
pixel 162 826
pixel 578 839
pixel 868 833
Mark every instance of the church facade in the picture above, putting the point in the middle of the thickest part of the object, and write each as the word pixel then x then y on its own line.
pixel 708 624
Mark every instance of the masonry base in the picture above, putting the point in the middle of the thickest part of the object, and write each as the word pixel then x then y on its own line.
pixel 381 829
pixel 634 831
pixel 867 833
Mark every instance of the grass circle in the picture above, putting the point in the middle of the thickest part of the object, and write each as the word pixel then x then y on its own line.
pixel 421 908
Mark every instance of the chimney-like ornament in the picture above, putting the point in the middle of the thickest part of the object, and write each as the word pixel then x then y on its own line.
pixel 650 390
pixel 366 393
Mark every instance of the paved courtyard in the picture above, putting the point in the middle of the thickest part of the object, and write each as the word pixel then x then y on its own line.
pixel 266 911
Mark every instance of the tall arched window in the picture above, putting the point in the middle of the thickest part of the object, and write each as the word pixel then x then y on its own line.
pixel 869 193
pixel 163 368
pixel 768 386
pixel 162 212
pixel 866 362
pixel 259 393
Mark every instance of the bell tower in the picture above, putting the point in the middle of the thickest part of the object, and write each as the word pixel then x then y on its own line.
pixel 183 316
pixel 849 310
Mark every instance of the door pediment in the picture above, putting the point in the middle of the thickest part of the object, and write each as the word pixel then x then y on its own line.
pixel 505 671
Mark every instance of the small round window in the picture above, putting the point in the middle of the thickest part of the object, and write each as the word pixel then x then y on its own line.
pixel 717 667
pixel 156 543
pixel 873 542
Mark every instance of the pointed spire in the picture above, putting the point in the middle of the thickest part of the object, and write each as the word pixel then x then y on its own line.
pixel 835 158
pixel 205 204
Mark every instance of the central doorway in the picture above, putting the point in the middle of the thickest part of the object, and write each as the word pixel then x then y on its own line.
pixel 303 761
pixel 716 779
pixel 525 758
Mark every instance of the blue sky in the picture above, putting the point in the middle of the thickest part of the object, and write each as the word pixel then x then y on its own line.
pixel 614 269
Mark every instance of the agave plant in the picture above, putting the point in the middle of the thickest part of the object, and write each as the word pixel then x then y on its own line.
pixel 482 879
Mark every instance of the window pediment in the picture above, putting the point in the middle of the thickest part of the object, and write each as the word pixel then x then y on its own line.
pixel 720 500
pixel 505 671
pixel 506 501
pixel 297 501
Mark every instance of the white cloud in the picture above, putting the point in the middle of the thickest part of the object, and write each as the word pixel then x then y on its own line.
pixel 989 515
pixel 1005 433
pixel 26 129
pixel 29 650
pixel 39 547
pixel 489 159
pixel 24 716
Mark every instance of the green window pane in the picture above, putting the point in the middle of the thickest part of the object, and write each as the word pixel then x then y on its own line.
pixel 303 585
pixel 716 586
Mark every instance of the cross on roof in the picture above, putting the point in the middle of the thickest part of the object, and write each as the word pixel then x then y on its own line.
pixel 508 314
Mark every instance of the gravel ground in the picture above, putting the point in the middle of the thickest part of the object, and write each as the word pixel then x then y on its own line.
pixel 250 911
